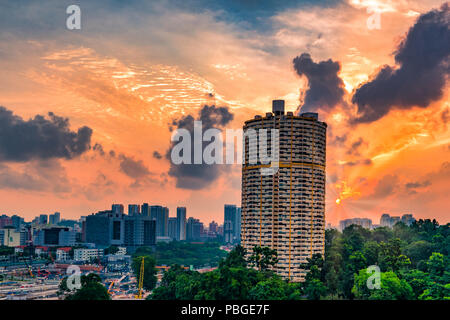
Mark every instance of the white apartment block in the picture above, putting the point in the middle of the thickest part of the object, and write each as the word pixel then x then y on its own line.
pixel 62 255
pixel 87 254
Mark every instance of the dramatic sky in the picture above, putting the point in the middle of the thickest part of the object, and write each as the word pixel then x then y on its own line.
pixel 86 115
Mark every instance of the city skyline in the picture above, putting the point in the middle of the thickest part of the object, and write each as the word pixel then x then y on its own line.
pixel 217 220
pixel 114 99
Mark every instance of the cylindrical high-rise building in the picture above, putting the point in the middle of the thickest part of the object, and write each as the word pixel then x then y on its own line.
pixel 286 210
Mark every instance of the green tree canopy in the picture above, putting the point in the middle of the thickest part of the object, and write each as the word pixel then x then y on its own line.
pixel 91 289
pixel 263 258
pixel 391 287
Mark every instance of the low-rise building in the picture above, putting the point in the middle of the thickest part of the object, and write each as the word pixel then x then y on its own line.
pixel 18 249
pixel 40 250
pixel 9 237
pixel 63 254
pixel 54 236
pixel 363 222
pixel 121 251
pixel 87 254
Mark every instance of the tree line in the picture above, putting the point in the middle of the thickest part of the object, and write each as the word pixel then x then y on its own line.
pixel 412 262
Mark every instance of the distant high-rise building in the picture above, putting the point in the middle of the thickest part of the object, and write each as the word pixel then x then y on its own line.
pixel 105 228
pixel 285 210
pixel 134 209
pixel 181 223
pixel 54 236
pixel 54 218
pixel 5 221
pixel 220 230
pixel 213 227
pixel 230 223
pixel 43 219
pixel 394 220
pixel 408 219
pixel 139 230
pixel 145 209
pixel 111 227
pixel 193 229
pixel 172 228
pixel 363 222
pixel 237 226
pixel 17 222
pixel 117 209
pixel 387 221
pixel 161 215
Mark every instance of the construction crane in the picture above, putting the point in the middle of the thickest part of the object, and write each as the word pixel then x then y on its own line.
pixel 24 259
pixel 114 282
pixel 29 267
pixel 141 280
pixel 110 287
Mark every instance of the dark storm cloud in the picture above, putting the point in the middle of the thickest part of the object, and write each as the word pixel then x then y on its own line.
pixel 355 146
pixel 39 175
pixel 325 89
pixel 423 60
pixel 40 138
pixel 364 162
pixel 99 148
pixel 198 176
pixel 133 168
pixel 339 140
pixel 386 186
pixel 418 184
pixel 157 155
pixel 445 116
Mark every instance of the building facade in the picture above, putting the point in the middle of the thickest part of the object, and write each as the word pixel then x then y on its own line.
pixel 161 215
pixel 285 210
pixel 105 228
pixel 181 223
pixel 139 231
pixel 113 227
pixel 363 222
pixel 54 236
pixel 194 229
pixel 172 228
pixel 87 254
pixel 229 223
pixel 389 221
pixel 9 237
pixel 54 218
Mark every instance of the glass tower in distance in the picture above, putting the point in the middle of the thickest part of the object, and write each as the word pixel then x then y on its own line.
pixel 181 223
pixel 286 210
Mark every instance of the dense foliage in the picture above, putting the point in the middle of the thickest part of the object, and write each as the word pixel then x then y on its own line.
pixel 186 254
pixel 6 251
pixel 91 289
pixel 232 280
pixel 413 263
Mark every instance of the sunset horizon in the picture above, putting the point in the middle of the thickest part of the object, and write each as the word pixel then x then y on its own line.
pixel 114 91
